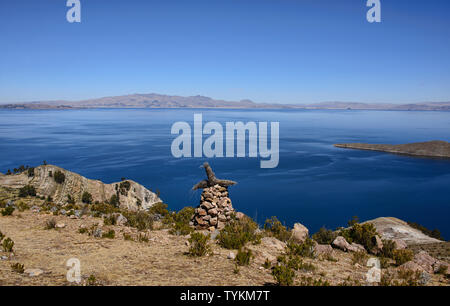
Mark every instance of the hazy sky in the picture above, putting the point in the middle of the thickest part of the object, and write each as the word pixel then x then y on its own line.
pixel 286 51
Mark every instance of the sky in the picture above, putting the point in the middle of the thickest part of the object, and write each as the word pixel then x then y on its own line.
pixel 274 51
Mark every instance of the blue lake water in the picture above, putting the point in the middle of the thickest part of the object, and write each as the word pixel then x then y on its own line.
pixel 315 183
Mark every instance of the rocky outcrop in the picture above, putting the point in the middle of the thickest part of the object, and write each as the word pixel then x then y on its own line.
pixel 299 233
pixel 130 194
pixel 395 229
pixel 435 148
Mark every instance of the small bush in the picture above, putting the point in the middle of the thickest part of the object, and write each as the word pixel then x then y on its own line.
pixel 59 177
pixel 306 249
pixel 243 257
pixel 82 230
pixel 267 264
pixel 109 220
pixel 109 234
pixel 274 227
pixel 180 225
pixel 8 245
pixel 442 270
pixel 50 224
pixel 388 249
pixel 70 200
pixel 114 200
pixel 309 281
pixel 127 237
pixel 18 268
pixel 91 281
pixel 142 238
pixel 86 198
pixel 8 211
pixel 361 233
pixel 237 233
pixel 159 209
pixel 140 220
pixel 402 256
pixel 354 220
pixel 30 172
pixel 360 258
pixel 26 191
pixel 283 275
pixel 324 236
pixel 1 236
pixel 22 206
pixel 199 244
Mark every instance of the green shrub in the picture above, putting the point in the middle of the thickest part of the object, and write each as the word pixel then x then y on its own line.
pixel 199 244
pixel 309 281
pixel 50 224
pixel 22 206
pixel 283 275
pixel 114 200
pixel 360 257
pixel 140 220
pixel 127 237
pixel 59 177
pixel 363 234
pixel 324 236
pixel 91 281
pixel 388 249
pixel 102 208
pixel 86 198
pixel 180 221
pixel 237 233
pixel 159 209
pixel 70 200
pixel 30 172
pixel 8 211
pixel 267 264
pixel 18 268
pixel 26 191
pixel 142 238
pixel 8 245
pixel 305 249
pixel 82 230
pixel 243 257
pixel 402 256
pixel 1 236
pixel 109 234
pixel 354 220
pixel 274 227
pixel 442 270
pixel 109 220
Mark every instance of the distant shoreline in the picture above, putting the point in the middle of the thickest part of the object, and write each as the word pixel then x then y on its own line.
pixel 157 101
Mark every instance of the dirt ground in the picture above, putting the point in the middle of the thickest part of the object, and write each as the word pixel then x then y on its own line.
pixel 160 261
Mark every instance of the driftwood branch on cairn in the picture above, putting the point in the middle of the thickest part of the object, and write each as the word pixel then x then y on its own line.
pixel 212 180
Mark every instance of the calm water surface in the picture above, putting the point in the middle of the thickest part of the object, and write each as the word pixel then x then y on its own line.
pixel 315 183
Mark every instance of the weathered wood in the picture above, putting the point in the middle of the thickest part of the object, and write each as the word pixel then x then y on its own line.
pixel 212 179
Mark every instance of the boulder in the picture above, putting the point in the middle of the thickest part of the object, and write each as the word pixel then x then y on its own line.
pixel 323 250
pixel 354 247
pixel 424 260
pixel 239 215
pixel 121 220
pixel 299 233
pixel 33 272
pixel 399 244
pixel 412 266
pixel 378 245
pixel 231 256
pixel 340 243
pixel 60 225
pixel 273 243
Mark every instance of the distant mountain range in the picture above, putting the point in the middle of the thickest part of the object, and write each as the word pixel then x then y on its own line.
pixel 166 101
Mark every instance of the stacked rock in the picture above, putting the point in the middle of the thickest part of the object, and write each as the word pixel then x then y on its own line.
pixel 215 208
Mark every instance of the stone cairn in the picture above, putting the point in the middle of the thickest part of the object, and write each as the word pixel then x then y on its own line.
pixel 215 207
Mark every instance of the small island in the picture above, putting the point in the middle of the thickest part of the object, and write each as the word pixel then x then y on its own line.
pixel 431 149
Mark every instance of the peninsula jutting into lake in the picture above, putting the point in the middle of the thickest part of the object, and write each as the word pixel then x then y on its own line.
pixel 434 149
